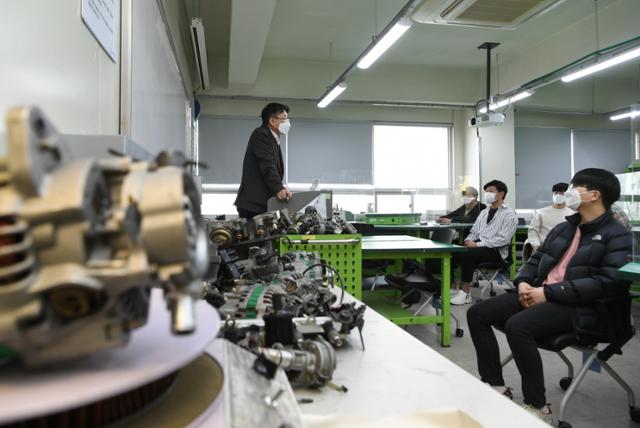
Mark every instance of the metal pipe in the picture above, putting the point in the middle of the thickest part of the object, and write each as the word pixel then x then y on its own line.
pixel 376 103
pixel 488 76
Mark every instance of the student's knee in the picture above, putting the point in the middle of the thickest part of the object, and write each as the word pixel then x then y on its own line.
pixel 514 327
pixel 475 314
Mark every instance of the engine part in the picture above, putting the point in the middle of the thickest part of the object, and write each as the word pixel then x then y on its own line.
pixel 81 242
pixel 310 366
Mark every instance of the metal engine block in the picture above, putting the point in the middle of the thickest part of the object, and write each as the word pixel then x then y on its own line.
pixel 81 242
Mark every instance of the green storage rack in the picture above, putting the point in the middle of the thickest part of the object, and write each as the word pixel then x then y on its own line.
pixel 342 252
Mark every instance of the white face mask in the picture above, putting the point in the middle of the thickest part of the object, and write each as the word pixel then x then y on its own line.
pixel 573 198
pixel 468 199
pixel 489 197
pixel 558 199
pixel 284 127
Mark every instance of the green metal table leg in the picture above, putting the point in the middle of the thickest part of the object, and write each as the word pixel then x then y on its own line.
pixel 445 295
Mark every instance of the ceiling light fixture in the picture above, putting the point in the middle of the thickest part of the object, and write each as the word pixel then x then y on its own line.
pixel 508 100
pixel 387 37
pixel 383 43
pixel 632 113
pixel 331 94
pixel 599 66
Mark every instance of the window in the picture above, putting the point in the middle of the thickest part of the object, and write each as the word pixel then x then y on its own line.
pixel 356 203
pixel 391 204
pixel 389 168
pixel 410 156
pixel 218 203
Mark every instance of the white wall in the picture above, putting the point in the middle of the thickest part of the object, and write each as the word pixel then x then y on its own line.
pixel 497 156
pixel 50 59
pixel 158 111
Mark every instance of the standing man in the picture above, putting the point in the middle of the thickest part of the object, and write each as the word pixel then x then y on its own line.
pixel 263 167
pixel 489 239
pixel 546 219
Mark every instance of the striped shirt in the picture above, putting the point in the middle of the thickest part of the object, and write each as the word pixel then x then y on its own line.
pixel 498 232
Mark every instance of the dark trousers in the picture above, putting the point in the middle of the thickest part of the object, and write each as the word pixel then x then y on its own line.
pixel 470 259
pixel 242 213
pixel 522 327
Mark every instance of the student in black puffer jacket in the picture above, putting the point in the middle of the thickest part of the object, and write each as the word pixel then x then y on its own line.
pixel 557 288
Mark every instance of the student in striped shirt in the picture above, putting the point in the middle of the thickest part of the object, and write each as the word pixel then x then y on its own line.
pixel 489 238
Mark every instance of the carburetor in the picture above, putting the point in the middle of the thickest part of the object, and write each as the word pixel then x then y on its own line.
pixel 82 241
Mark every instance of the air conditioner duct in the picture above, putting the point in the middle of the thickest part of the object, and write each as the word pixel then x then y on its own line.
pixel 200 52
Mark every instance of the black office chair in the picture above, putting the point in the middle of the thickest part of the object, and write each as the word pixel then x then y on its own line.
pixel 443 235
pixel 364 229
pixel 417 283
pixel 494 272
pixel 607 309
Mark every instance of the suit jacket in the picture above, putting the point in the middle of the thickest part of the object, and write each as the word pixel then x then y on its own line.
pixel 262 171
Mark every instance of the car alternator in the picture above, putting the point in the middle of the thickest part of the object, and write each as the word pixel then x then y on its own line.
pixel 82 241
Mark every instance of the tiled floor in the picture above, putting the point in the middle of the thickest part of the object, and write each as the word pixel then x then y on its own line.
pixel 598 402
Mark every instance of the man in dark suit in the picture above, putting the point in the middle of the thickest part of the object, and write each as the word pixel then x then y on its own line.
pixel 263 167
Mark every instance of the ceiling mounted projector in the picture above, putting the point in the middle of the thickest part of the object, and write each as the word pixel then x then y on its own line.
pixel 486 119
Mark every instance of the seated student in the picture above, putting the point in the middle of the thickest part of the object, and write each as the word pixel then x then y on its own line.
pixel 467 213
pixel 573 267
pixel 547 218
pixel 489 238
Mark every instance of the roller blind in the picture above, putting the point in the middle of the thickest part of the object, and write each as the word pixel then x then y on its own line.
pixel 222 143
pixel 330 151
pixel 609 149
pixel 543 158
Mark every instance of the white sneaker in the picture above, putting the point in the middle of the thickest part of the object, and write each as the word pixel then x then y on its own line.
pixel 461 298
pixel 543 413
pixel 504 390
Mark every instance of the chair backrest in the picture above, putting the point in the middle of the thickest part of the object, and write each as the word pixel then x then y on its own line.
pixel 364 228
pixel 443 235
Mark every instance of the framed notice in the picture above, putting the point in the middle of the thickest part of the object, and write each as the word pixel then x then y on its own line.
pixel 102 18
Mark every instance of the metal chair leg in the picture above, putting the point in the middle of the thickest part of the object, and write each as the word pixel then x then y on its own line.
pixel 506 360
pixel 567 362
pixel 630 395
pixel 424 304
pixel 574 385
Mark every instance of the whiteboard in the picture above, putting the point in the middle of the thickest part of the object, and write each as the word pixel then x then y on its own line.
pixel 158 109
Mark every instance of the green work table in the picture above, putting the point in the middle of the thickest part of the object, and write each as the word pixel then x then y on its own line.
pixel 399 247
pixel 629 272
pixel 423 231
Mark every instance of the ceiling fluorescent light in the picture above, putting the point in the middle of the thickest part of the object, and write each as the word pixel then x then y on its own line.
pixel 384 43
pixel 509 100
pixel 332 95
pixel 632 113
pixel 617 59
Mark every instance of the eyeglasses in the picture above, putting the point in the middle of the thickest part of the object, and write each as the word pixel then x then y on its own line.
pixel 280 118
pixel 572 187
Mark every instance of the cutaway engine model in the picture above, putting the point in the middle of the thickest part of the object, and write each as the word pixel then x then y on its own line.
pixel 82 241
pixel 290 318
